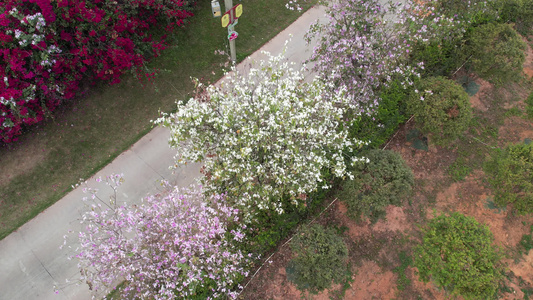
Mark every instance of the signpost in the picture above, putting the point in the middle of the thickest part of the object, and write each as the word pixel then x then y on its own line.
pixel 231 16
pixel 237 10
pixel 233 13
pixel 226 20
pixel 229 20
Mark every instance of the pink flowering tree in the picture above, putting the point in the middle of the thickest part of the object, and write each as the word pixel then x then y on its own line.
pixel 362 48
pixel 172 246
pixel 367 43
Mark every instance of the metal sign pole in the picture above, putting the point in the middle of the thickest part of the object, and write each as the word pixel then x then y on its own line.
pixel 228 6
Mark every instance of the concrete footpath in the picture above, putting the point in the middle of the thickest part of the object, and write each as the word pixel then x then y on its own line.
pixel 31 263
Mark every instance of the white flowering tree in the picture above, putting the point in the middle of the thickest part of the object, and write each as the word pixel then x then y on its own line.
pixel 173 246
pixel 263 135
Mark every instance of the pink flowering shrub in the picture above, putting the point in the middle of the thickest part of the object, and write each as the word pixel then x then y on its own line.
pixel 361 49
pixel 48 47
pixel 367 43
pixel 173 246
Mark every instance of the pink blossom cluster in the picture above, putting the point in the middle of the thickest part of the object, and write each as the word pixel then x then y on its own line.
pixel 48 49
pixel 367 43
pixel 436 20
pixel 361 49
pixel 170 247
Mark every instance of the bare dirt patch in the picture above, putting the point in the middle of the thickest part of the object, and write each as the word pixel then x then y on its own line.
pixel 515 130
pixel 477 101
pixel 528 64
pixel 371 282
pixel 524 268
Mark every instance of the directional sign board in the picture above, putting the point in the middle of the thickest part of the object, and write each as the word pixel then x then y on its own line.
pixel 225 20
pixel 237 11
pixel 232 15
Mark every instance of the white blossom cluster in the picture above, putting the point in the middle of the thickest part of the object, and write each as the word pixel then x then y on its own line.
pixel 45 55
pixel 34 23
pixel 293 5
pixel 8 102
pixel 434 20
pixel 263 135
pixel 36 20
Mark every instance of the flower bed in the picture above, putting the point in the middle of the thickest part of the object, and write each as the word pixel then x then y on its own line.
pixel 48 47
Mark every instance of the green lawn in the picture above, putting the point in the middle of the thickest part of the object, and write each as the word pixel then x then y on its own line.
pixel 85 135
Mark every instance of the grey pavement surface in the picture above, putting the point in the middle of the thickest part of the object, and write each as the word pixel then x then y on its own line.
pixel 31 263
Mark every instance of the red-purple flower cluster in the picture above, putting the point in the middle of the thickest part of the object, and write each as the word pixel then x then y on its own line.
pixel 48 47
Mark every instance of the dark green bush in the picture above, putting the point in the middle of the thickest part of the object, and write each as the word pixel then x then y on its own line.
pixel 268 228
pixel 440 58
pixel 457 254
pixel 444 57
pixel 510 172
pixel 405 261
pixel 321 257
pixel 441 107
pixel 379 127
pixel 519 12
pixel 497 52
pixel 385 180
pixel 526 243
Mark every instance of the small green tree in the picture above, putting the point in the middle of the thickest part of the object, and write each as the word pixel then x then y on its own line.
pixel 497 52
pixel 511 176
pixel 385 180
pixel 457 254
pixel 441 107
pixel 321 258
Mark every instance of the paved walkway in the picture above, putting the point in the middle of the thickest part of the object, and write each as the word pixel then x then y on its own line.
pixel 30 260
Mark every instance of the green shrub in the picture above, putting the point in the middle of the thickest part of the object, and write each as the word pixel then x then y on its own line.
pixel 441 107
pixel 510 172
pixel 390 113
pixel 497 52
pixel 321 258
pixel 385 180
pixel 440 58
pixel 519 12
pixel 526 243
pixel 457 254
pixel 268 228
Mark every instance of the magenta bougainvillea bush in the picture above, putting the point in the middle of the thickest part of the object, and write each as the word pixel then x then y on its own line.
pixel 48 46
